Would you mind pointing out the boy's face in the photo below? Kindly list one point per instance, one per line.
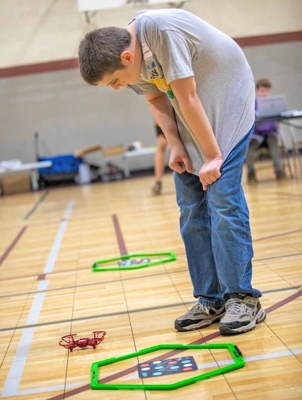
(263, 91)
(129, 75)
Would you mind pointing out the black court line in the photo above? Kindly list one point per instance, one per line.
(36, 205)
(277, 257)
(166, 355)
(65, 321)
(281, 234)
(128, 279)
(92, 284)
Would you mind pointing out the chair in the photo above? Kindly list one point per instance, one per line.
(263, 153)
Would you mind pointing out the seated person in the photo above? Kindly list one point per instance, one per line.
(265, 133)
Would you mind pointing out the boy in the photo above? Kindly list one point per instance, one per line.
(180, 62)
(265, 132)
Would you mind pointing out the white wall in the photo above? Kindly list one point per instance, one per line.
(44, 30)
(69, 114)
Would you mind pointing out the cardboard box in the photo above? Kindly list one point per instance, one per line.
(86, 150)
(17, 182)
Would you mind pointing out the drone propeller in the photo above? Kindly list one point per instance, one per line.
(68, 341)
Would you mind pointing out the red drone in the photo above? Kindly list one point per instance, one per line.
(69, 343)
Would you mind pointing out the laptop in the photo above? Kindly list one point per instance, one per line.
(271, 106)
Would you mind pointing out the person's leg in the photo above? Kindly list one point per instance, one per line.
(275, 152)
(253, 146)
(195, 230)
(232, 245)
(159, 163)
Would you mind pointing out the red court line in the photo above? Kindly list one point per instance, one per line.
(274, 38)
(207, 338)
(41, 277)
(119, 235)
(129, 370)
(12, 245)
(123, 249)
(37, 68)
(50, 66)
(283, 302)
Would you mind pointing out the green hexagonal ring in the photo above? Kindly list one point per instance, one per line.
(99, 265)
(233, 350)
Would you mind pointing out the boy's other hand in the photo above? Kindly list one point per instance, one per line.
(210, 171)
(179, 159)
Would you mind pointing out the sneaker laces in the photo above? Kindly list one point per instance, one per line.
(201, 308)
(234, 306)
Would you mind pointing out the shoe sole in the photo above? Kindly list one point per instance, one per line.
(260, 317)
(199, 325)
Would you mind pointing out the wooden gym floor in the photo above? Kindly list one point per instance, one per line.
(48, 243)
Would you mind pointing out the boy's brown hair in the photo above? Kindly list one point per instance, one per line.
(264, 83)
(99, 52)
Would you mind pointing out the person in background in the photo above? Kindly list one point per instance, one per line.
(265, 133)
(159, 161)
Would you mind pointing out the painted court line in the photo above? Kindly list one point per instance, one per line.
(12, 245)
(283, 302)
(119, 313)
(14, 376)
(255, 260)
(15, 373)
(281, 234)
(123, 250)
(47, 389)
(37, 304)
(35, 310)
(36, 205)
(68, 210)
(56, 246)
(60, 289)
(64, 321)
(119, 235)
(222, 363)
(205, 339)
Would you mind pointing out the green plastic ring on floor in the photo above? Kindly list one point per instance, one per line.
(99, 266)
(233, 350)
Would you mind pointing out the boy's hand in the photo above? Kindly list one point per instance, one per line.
(210, 171)
(179, 159)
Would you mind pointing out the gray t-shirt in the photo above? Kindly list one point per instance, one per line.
(178, 45)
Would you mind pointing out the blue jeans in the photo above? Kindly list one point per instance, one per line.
(215, 228)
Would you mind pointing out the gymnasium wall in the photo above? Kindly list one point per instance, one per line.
(35, 31)
(70, 114)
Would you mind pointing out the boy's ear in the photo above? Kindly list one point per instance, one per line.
(127, 58)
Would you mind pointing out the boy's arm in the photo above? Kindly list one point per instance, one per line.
(163, 114)
(192, 110)
(194, 114)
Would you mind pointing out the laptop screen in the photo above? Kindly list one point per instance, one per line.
(271, 106)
